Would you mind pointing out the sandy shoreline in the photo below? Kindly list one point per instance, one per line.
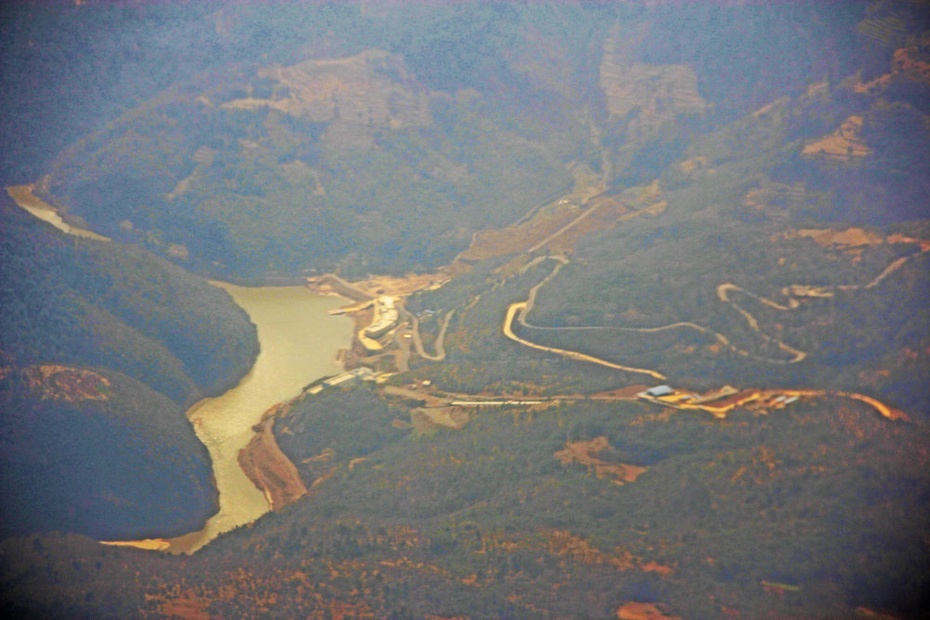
(268, 467)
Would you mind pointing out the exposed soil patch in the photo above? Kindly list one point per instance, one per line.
(566, 543)
(450, 417)
(643, 611)
(331, 284)
(655, 93)
(603, 212)
(690, 166)
(913, 61)
(907, 61)
(583, 452)
(268, 468)
(522, 236)
(68, 384)
(851, 240)
(353, 95)
(851, 237)
(401, 286)
(561, 542)
(187, 608)
(843, 144)
(629, 393)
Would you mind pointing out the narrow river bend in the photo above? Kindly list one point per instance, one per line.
(299, 342)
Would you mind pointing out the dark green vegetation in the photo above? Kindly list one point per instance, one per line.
(120, 468)
(92, 303)
(734, 195)
(778, 156)
(486, 522)
(864, 339)
(67, 67)
(351, 163)
(387, 148)
(98, 443)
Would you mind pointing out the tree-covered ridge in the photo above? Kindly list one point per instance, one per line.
(385, 148)
(757, 242)
(119, 462)
(749, 208)
(103, 346)
(750, 257)
(345, 163)
(88, 303)
(815, 511)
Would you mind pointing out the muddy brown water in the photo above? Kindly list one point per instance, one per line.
(299, 342)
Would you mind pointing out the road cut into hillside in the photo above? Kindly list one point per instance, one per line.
(795, 293)
(440, 354)
(518, 307)
(723, 294)
(517, 311)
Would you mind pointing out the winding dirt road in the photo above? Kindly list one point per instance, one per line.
(440, 339)
(518, 310)
(723, 294)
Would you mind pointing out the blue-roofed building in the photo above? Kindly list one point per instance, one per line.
(659, 390)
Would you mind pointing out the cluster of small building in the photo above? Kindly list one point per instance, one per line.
(386, 316)
(345, 379)
(719, 402)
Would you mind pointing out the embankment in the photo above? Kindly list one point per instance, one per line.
(267, 466)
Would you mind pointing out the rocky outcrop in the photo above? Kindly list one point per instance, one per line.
(842, 145)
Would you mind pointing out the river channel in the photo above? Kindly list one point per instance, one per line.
(24, 197)
(299, 341)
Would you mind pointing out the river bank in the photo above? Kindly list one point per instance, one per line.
(268, 467)
(299, 341)
(24, 196)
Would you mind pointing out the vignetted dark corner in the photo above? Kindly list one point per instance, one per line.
(388, 309)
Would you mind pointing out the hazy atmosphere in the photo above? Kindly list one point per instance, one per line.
(448, 310)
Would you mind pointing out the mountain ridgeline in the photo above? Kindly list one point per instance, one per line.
(389, 147)
(104, 346)
(722, 202)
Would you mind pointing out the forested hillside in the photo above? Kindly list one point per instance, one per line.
(813, 512)
(94, 303)
(658, 275)
(385, 148)
(103, 347)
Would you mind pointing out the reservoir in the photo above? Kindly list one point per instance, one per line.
(299, 341)
(24, 197)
